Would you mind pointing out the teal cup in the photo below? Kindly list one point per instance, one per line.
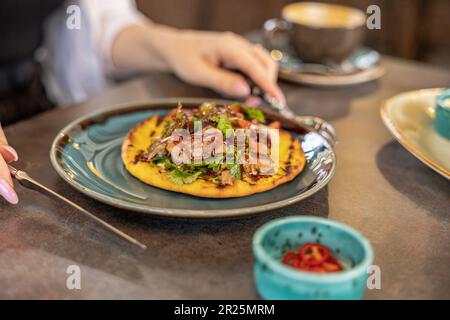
(275, 280)
(442, 114)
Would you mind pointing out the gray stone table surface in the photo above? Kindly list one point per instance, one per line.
(400, 205)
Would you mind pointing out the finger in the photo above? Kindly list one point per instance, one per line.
(2, 136)
(224, 81)
(259, 52)
(253, 101)
(245, 61)
(266, 81)
(267, 60)
(6, 184)
(271, 67)
(8, 152)
(278, 94)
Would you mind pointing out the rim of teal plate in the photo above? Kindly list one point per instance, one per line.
(167, 212)
(294, 274)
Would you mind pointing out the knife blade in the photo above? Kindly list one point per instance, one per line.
(25, 180)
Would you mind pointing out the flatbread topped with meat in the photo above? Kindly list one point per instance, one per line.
(163, 152)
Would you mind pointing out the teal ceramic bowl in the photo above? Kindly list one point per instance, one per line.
(442, 114)
(274, 280)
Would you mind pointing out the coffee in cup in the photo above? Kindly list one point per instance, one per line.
(318, 32)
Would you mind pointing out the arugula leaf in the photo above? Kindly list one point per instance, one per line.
(215, 166)
(254, 113)
(214, 118)
(167, 124)
(168, 165)
(235, 170)
(205, 163)
(180, 176)
(159, 160)
(223, 125)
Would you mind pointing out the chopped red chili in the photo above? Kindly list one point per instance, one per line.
(314, 254)
(291, 259)
(312, 257)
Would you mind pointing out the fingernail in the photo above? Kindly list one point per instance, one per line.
(12, 152)
(240, 89)
(279, 98)
(253, 101)
(8, 192)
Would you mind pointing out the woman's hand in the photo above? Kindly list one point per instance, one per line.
(197, 57)
(204, 59)
(7, 154)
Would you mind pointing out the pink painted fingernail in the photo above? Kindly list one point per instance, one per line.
(12, 152)
(8, 192)
(240, 89)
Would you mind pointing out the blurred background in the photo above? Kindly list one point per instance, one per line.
(411, 29)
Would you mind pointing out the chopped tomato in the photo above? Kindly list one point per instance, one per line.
(244, 123)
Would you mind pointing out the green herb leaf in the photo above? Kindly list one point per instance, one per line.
(223, 125)
(180, 176)
(216, 166)
(161, 160)
(254, 113)
(167, 124)
(235, 170)
(214, 118)
(168, 165)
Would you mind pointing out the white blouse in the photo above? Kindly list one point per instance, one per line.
(77, 62)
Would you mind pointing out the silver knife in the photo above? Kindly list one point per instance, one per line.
(25, 180)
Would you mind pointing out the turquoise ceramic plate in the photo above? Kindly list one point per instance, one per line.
(86, 154)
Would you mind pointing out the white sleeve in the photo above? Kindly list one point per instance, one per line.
(107, 18)
(78, 62)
